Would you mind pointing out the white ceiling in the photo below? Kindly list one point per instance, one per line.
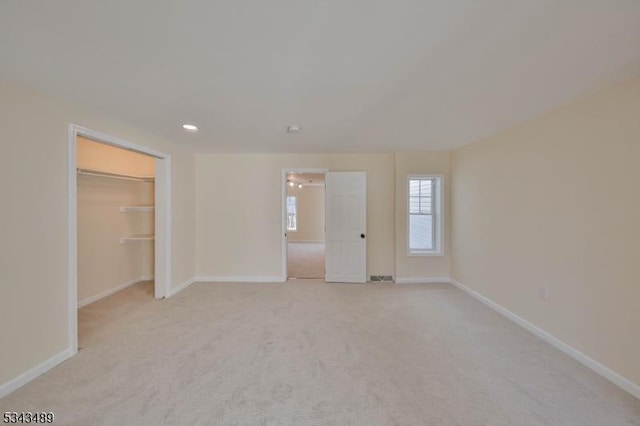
(356, 75)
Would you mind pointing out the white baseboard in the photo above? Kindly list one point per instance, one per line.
(113, 290)
(181, 287)
(305, 242)
(26, 377)
(238, 279)
(607, 373)
(423, 280)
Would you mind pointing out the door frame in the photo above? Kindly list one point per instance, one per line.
(283, 206)
(162, 267)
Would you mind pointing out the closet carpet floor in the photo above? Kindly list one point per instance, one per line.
(310, 353)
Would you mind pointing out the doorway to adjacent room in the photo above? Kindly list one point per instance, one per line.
(305, 197)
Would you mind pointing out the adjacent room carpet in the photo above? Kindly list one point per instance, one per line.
(310, 353)
(305, 260)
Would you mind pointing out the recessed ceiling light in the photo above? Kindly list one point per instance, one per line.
(190, 127)
(293, 129)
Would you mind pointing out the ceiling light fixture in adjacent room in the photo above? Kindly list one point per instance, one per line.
(190, 128)
(293, 129)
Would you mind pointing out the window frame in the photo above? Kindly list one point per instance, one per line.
(438, 221)
(295, 204)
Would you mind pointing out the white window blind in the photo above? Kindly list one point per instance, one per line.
(292, 219)
(422, 214)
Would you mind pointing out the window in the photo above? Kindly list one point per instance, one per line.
(424, 216)
(292, 219)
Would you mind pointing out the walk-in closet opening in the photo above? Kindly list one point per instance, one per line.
(116, 221)
(118, 231)
(305, 227)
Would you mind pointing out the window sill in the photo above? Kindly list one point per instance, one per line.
(431, 253)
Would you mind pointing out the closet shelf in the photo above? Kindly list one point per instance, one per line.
(99, 173)
(125, 209)
(134, 238)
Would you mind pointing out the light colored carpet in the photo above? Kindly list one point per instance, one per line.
(305, 260)
(308, 353)
(93, 318)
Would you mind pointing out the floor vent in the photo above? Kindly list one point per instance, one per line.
(381, 278)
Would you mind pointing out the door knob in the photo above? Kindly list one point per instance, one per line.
(361, 235)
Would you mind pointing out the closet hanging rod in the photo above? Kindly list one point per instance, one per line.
(97, 173)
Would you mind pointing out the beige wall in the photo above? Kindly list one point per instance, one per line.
(554, 203)
(105, 158)
(417, 163)
(33, 247)
(310, 213)
(104, 263)
(239, 210)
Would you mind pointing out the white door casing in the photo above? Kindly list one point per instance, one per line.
(346, 227)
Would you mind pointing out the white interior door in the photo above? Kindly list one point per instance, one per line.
(346, 227)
